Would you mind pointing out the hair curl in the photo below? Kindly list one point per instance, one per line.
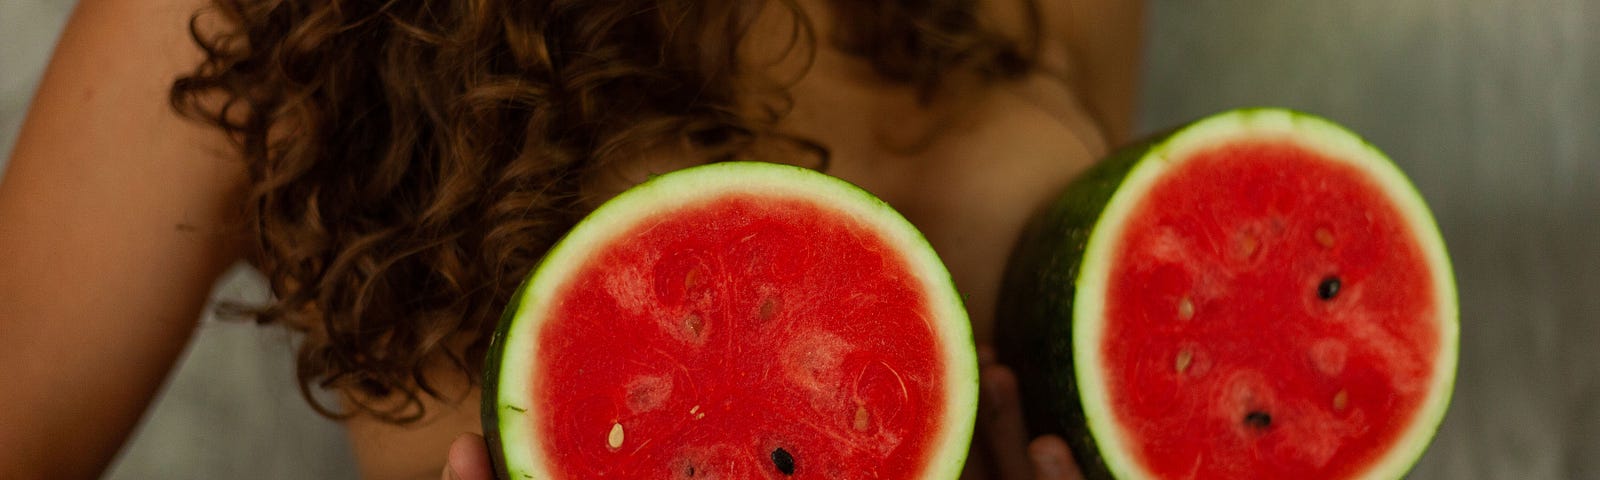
(410, 161)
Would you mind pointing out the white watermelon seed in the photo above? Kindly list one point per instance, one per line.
(1247, 246)
(1185, 308)
(1324, 238)
(693, 323)
(1341, 400)
(861, 418)
(615, 438)
(691, 279)
(1185, 357)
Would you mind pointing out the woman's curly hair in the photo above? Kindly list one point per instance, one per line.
(410, 161)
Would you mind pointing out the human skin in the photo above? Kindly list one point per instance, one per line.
(116, 218)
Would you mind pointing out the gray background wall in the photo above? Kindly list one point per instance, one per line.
(1492, 106)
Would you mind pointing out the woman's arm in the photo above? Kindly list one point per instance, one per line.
(115, 218)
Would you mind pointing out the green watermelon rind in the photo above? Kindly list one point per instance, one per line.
(507, 409)
(1062, 263)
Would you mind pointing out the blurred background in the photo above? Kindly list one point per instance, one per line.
(1491, 106)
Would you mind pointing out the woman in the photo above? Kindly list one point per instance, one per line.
(395, 167)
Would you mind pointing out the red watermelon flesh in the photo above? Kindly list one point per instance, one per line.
(768, 324)
(734, 321)
(1270, 316)
(1257, 294)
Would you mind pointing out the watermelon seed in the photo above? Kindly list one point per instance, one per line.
(1185, 308)
(1324, 238)
(1258, 420)
(691, 279)
(769, 307)
(782, 460)
(1185, 356)
(694, 324)
(1341, 400)
(1248, 245)
(693, 409)
(862, 418)
(615, 438)
(1329, 288)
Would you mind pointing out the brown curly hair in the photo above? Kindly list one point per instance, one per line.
(410, 161)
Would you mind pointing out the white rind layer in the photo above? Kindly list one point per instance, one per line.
(1317, 135)
(704, 183)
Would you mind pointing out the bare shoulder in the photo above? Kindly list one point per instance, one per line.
(115, 217)
(1103, 42)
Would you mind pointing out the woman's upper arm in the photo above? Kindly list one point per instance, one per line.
(1104, 38)
(116, 216)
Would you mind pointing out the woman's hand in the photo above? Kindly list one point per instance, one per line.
(1001, 449)
(468, 460)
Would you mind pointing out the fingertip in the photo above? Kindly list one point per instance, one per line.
(1052, 459)
(468, 458)
(467, 446)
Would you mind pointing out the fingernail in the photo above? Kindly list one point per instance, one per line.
(450, 471)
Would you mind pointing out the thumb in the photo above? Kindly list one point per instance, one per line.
(468, 459)
(1052, 459)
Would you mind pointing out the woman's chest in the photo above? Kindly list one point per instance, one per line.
(968, 172)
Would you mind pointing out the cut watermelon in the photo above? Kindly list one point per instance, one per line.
(735, 321)
(1259, 294)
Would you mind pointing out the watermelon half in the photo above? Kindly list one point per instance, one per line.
(735, 321)
(1259, 294)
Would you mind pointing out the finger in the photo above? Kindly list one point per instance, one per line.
(978, 462)
(985, 355)
(976, 467)
(1052, 459)
(468, 459)
(1006, 435)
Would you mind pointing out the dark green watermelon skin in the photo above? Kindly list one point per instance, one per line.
(1033, 327)
(490, 411)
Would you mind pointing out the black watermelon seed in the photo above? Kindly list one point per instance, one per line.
(1329, 288)
(782, 460)
(1258, 420)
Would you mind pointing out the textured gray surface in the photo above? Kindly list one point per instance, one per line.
(232, 409)
(1490, 105)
